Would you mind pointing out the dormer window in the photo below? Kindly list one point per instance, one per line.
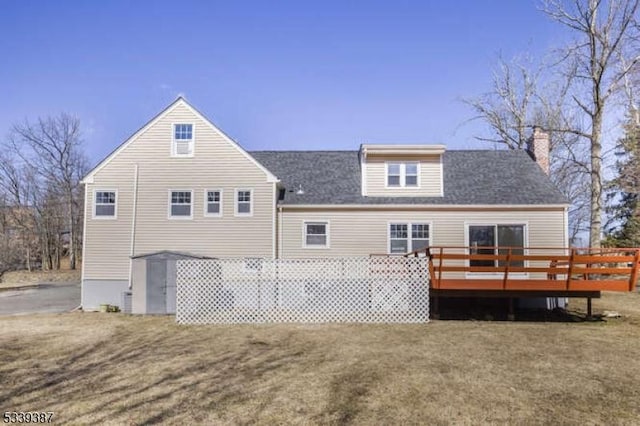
(182, 140)
(403, 175)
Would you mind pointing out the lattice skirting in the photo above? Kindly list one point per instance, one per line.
(229, 291)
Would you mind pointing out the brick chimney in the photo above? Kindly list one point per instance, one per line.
(538, 148)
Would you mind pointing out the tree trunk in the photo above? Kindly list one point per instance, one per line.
(596, 181)
(72, 234)
(28, 257)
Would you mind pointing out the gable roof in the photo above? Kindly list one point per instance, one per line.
(179, 101)
(471, 177)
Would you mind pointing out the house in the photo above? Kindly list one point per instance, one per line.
(180, 184)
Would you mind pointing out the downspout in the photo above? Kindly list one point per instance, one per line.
(84, 241)
(133, 224)
(280, 226)
(274, 243)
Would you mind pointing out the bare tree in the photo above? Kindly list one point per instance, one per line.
(518, 101)
(596, 64)
(17, 187)
(509, 106)
(51, 148)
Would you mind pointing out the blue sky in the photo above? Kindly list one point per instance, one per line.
(272, 75)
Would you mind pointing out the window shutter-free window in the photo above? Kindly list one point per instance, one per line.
(393, 174)
(419, 236)
(403, 175)
(214, 201)
(408, 237)
(411, 174)
(105, 203)
(316, 234)
(398, 238)
(181, 203)
(243, 202)
(183, 139)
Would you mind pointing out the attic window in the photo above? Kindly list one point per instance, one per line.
(403, 175)
(182, 140)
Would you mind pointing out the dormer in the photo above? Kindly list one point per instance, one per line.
(401, 170)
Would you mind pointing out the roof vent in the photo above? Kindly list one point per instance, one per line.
(300, 191)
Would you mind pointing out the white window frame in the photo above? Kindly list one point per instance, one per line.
(206, 202)
(95, 204)
(327, 225)
(525, 243)
(235, 202)
(192, 143)
(403, 175)
(169, 205)
(409, 238)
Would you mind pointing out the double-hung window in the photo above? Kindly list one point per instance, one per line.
(407, 237)
(180, 204)
(316, 234)
(483, 239)
(104, 204)
(403, 175)
(182, 140)
(244, 202)
(213, 202)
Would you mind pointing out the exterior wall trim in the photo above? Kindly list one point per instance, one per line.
(425, 207)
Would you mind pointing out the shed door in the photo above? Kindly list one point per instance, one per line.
(156, 286)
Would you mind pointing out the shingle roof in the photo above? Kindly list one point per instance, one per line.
(470, 177)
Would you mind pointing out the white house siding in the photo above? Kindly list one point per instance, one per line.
(430, 176)
(364, 231)
(216, 164)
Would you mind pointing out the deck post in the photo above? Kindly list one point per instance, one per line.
(588, 308)
(633, 279)
(570, 270)
(511, 316)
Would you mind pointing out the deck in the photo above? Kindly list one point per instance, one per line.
(517, 272)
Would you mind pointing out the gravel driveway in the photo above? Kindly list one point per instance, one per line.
(45, 298)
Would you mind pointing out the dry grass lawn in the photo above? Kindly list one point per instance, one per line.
(112, 368)
(21, 278)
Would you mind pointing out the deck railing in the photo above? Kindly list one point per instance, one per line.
(532, 268)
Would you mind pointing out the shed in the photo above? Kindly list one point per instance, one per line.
(154, 281)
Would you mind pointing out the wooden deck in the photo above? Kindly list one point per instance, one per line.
(534, 271)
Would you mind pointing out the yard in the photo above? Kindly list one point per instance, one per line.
(113, 368)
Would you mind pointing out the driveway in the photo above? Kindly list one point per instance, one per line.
(45, 298)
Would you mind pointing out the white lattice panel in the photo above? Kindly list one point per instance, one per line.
(371, 289)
